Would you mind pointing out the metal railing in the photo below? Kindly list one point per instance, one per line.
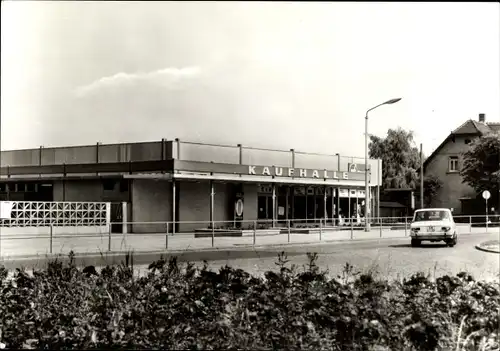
(199, 235)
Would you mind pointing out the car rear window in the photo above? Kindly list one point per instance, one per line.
(431, 216)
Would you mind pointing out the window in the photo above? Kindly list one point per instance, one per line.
(123, 185)
(108, 184)
(467, 141)
(421, 216)
(453, 164)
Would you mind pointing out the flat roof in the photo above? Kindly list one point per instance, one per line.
(160, 156)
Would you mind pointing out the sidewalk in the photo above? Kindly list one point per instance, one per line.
(181, 242)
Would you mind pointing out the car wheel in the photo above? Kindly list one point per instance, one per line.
(452, 242)
(415, 242)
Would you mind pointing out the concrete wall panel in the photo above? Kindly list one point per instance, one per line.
(194, 205)
(78, 191)
(151, 202)
(250, 203)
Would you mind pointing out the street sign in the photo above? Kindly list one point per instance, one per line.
(486, 196)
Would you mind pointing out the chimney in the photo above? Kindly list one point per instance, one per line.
(482, 118)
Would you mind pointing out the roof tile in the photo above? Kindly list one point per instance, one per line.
(469, 127)
(482, 127)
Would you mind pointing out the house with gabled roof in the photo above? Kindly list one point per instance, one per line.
(446, 161)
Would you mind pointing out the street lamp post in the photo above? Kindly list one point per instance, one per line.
(367, 188)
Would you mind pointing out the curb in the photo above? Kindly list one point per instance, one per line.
(481, 248)
(236, 247)
(338, 241)
(147, 257)
(193, 255)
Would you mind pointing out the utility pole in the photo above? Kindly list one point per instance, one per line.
(421, 177)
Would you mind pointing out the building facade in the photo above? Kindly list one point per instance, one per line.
(446, 161)
(191, 183)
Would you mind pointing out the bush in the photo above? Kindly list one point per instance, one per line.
(183, 307)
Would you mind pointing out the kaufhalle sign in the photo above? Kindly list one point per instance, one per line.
(354, 174)
(354, 171)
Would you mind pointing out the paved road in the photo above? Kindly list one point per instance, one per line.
(389, 257)
(22, 245)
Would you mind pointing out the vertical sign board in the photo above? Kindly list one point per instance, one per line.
(238, 206)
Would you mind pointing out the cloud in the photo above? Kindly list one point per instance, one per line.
(169, 76)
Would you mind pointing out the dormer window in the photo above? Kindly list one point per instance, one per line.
(453, 164)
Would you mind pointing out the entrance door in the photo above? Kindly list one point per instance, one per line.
(265, 207)
(282, 204)
(116, 217)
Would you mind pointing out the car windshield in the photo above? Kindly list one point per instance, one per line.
(431, 216)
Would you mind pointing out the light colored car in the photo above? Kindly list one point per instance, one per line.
(433, 224)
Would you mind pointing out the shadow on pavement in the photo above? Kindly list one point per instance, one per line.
(422, 246)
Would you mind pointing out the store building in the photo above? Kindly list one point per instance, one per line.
(192, 184)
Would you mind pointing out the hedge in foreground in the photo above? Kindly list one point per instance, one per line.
(185, 307)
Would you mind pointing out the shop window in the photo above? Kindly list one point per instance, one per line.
(282, 190)
(19, 187)
(299, 190)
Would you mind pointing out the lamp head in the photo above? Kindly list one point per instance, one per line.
(392, 101)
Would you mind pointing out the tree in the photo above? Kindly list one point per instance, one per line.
(400, 158)
(432, 184)
(401, 163)
(481, 165)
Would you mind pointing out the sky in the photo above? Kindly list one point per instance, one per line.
(274, 75)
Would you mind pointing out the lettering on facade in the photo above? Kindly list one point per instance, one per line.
(300, 172)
